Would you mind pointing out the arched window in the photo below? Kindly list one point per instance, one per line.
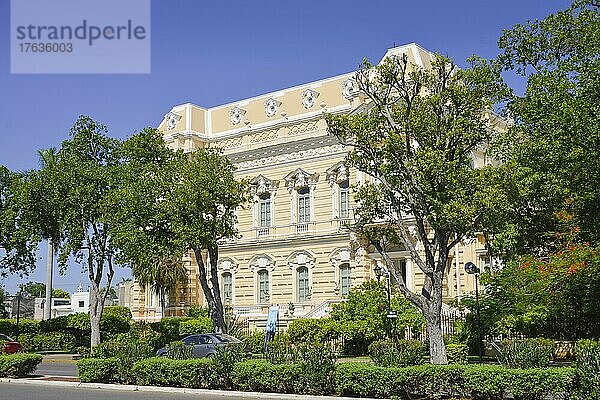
(344, 200)
(227, 287)
(303, 288)
(263, 286)
(344, 279)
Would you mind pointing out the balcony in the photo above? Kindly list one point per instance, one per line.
(302, 227)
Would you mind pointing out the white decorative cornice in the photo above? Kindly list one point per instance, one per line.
(339, 257)
(301, 258)
(260, 185)
(262, 261)
(337, 173)
(227, 264)
(349, 88)
(300, 179)
(172, 120)
(290, 157)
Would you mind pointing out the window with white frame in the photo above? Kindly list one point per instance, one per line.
(344, 191)
(303, 205)
(345, 279)
(263, 286)
(227, 287)
(303, 284)
(264, 210)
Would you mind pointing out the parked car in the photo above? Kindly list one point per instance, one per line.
(11, 346)
(205, 345)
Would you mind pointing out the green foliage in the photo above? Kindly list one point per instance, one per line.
(54, 341)
(400, 353)
(588, 368)
(18, 365)
(168, 328)
(100, 370)
(196, 326)
(196, 312)
(119, 311)
(114, 324)
(279, 350)
(362, 318)
(457, 353)
(178, 350)
(224, 361)
(127, 351)
(255, 342)
(194, 373)
(477, 382)
(526, 353)
(553, 143)
(26, 326)
(263, 376)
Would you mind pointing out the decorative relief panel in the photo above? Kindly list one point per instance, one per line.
(349, 88)
(309, 98)
(302, 128)
(337, 173)
(230, 143)
(172, 120)
(261, 184)
(236, 114)
(300, 179)
(271, 107)
(301, 259)
(291, 157)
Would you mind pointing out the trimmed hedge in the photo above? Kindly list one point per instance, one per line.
(262, 376)
(54, 341)
(196, 326)
(400, 353)
(26, 326)
(471, 381)
(193, 373)
(457, 353)
(18, 365)
(99, 370)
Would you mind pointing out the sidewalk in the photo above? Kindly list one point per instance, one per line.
(134, 388)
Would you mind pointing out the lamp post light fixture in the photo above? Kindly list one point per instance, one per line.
(472, 269)
(379, 272)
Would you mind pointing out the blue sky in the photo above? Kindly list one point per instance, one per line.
(211, 53)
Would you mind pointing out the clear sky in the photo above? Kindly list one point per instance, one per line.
(209, 53)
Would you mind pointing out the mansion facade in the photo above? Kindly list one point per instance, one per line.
(295, 250)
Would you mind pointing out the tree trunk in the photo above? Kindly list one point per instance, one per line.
(49, 268)
(96, 305)
(437, 349)
(214, 280)
(211, 301)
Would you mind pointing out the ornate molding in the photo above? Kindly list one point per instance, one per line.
(301, 258)
(300, 155)
(227, 264)
(261, 184)
(309, 98)
(350, 88)
(339, 257)
(337, 173)
(271, 107)
(262, 261)
(236, 114)
(172, 120)
(300, 179)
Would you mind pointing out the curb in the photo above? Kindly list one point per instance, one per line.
(216, 393)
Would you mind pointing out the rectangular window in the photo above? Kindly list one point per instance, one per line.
(303, 289)
(265, 211)
(81, 304)
(345, 280)
(344, 203)
(303, 206)
(263, 286)
(227, 287)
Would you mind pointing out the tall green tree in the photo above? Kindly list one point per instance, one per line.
(416, 137)
(176, 204)
(554, 143)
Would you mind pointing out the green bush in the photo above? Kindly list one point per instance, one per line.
(168, 328)
(99, 370)
(178, 350)
(196, 312)
(18, 365)
(588, 368)
(113, 324)
(26, 326)
(223, 362)
(7, 326)
(125, 349)
(26, 341)
(119, 311)
(263, 376)
(526, 353)
(255, 342)
(194, 373)
(457, 353)
(400, 353)
(84, 351)
(476, 382)
(280, 349)
(54, 341)
(196, 326)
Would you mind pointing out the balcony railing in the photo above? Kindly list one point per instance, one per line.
(302, 227)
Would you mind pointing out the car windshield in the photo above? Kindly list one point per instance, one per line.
(224, 338)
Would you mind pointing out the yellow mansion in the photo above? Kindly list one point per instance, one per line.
(295, 250)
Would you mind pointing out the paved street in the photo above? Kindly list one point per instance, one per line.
(17, 391)
(56, 368)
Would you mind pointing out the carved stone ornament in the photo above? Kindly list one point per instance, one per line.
(349, 88)
(172, 120)
(261, 184)
(271, 107)
(309, 98)
(300, 179)
(236, 114)
(337, 173)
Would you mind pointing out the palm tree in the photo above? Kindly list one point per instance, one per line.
(163, 275)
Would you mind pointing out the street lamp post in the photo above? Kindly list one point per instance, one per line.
(472, 269)
(379, 272)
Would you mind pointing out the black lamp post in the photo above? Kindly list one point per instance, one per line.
(472, 269)
(379, 272)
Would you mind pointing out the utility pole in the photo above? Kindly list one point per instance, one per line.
(49, 268)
